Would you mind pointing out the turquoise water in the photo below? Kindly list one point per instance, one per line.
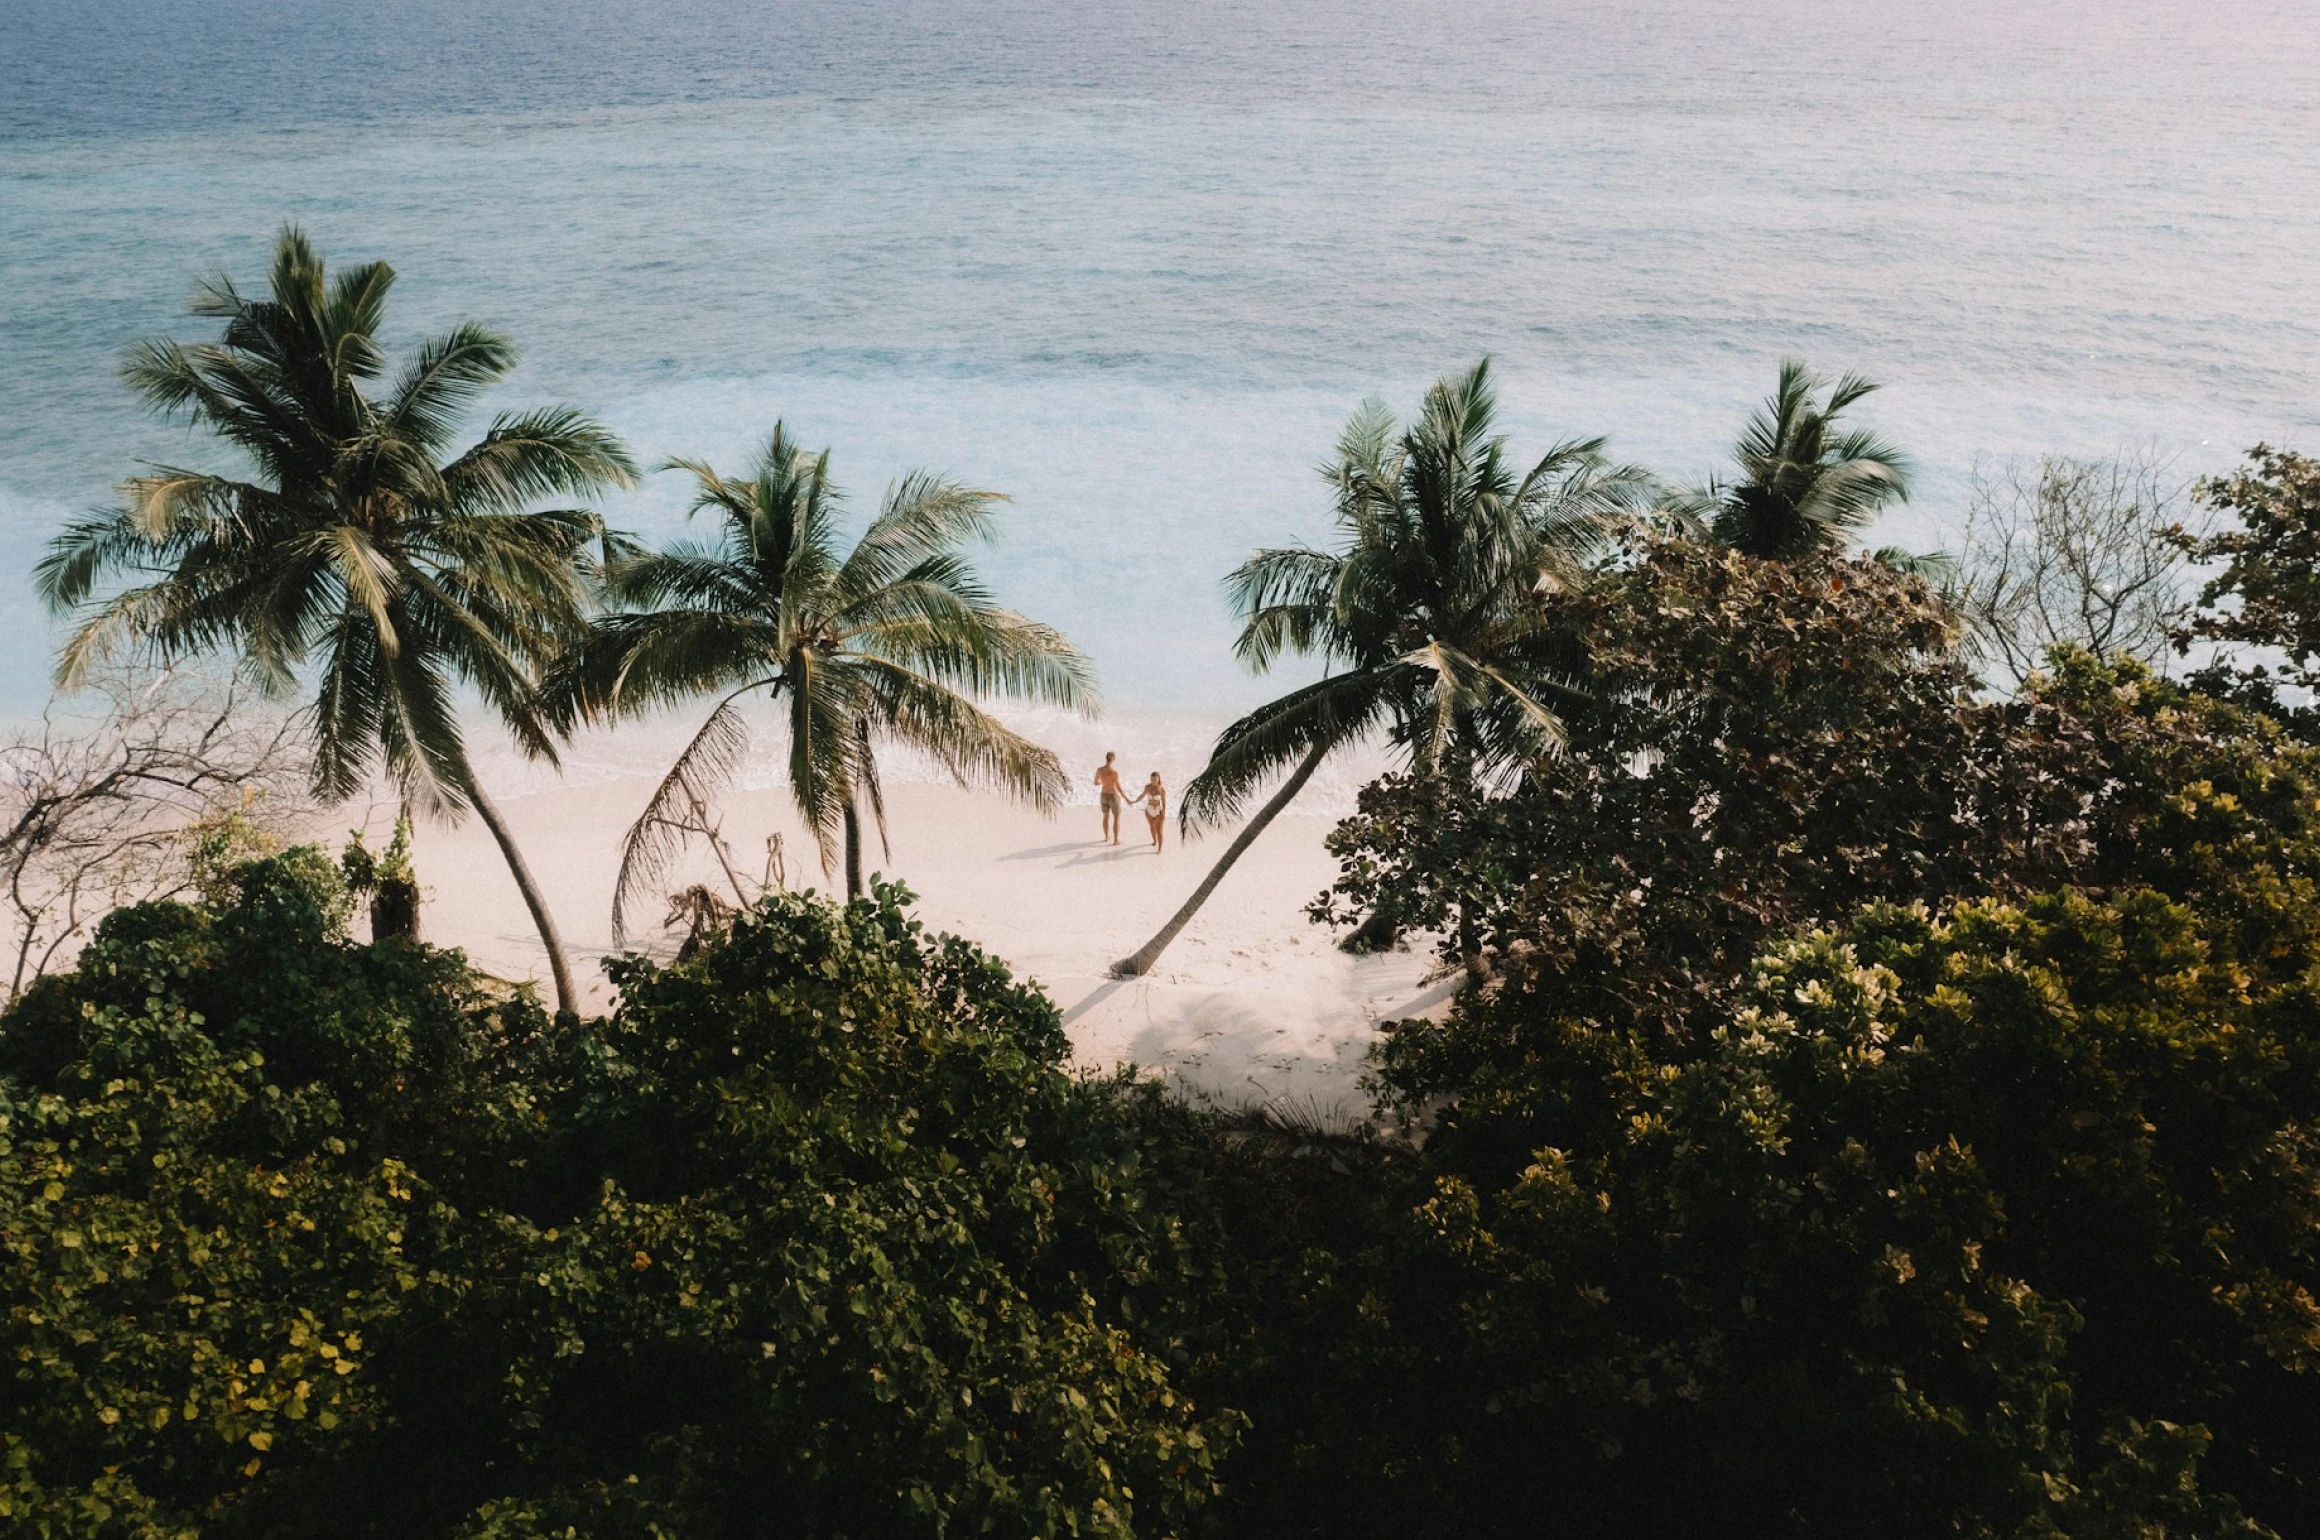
(1132, 263)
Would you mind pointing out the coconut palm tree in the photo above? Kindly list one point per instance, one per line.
(1426, 613)
(1805, 485)
(361, 555)
(884, 644)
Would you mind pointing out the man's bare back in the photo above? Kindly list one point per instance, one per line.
(1108, 798)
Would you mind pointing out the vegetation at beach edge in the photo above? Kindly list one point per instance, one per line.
(1884, 1090)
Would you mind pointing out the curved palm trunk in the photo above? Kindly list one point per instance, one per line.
(1139, 964)
(567, 998)
(853, 852)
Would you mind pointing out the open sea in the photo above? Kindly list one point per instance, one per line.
(1133, 262)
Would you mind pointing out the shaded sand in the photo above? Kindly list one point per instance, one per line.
(1252, 1004)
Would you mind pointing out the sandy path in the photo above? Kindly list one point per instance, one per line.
(1252, 1003)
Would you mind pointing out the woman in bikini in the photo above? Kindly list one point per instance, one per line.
(1154, 800)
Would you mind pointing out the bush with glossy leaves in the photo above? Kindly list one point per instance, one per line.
(815, 1236)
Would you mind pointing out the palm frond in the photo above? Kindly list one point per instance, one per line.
(106, 541)
(985, 652)
(690, 575)
(1938, 569)
(1526, 732)
(1451, 695)
(443, 381)
(922, 516)
(369, 578)
(554, 452)
(473, 645)
(630, 664)
(1288, 600)
(873, 789)
(678, 807)
(420, 742)
(826, 702)
(1269, 740)
(1364, 450)
(973, 747)
(357, 308)
(348, 710)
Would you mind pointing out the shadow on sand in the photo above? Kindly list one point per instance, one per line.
(1082, 853)
(1094, 998)
(1425, 1000)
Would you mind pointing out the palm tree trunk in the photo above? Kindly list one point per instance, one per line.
(567, 997)
(1136, 966)
(853, 852)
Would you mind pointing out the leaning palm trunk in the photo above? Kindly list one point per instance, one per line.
(567, 998)
(1140, 963)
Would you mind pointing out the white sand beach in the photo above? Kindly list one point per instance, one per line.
(1252, 1004)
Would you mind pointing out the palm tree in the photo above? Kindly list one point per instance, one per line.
(870, 648)
(1427, 613)
(1804, 485)
(362, 553)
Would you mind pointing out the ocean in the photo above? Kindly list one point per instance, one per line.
(1132, 263)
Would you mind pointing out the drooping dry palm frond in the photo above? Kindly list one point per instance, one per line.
(703, 913)
(678, 811)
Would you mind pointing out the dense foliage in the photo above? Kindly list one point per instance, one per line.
(1766, 746)
(1888, 1101)
(1756, 1203)
(1997, 1225)
(2263, 588)
(306, 1237)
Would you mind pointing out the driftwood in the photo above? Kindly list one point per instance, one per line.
(704, 914)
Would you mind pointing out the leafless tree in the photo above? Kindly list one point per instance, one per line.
(2072, 551)
(103, 802)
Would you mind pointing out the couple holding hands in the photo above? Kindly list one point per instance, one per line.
(1153, 799)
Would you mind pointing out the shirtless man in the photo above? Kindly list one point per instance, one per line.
(1109, 798)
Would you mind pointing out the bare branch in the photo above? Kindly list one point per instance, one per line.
(2072, 552)
(97, 801)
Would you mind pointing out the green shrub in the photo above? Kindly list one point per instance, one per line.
(212, 1139)
(1637, 1281)
(814, 1237)
(858, 1263)
(2004, 1224)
